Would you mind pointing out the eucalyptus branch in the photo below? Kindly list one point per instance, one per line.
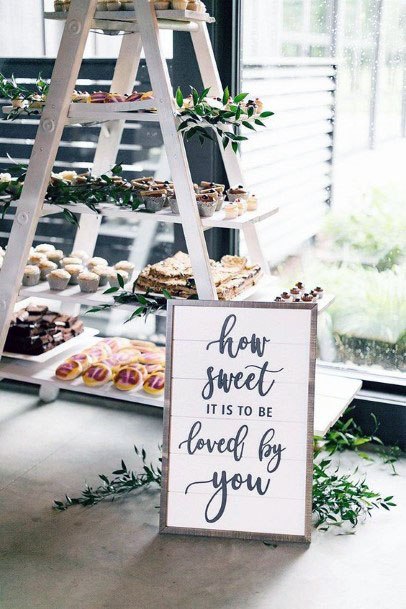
(122, 482)
(27, 98)
(200, 114)
(145, 303)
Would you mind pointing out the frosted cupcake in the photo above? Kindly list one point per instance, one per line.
(96, 261)
(70, 260)
(44, 248)
(58, 280)
(36, 258)
(126, 266)
(113, 278)
(74, 271)
(45, 267)
(103, 272)
(31, 275)
(242, 206)
(230, 210)
(88, 281)
(55, 256)
(252, 203)
(237, 192)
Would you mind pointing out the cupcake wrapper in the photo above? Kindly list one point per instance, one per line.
(31, 280)
(57, 284)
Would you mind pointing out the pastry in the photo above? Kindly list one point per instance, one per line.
(308, 297)
(88, 281)
(124, 265)
(286, 297)
(206, 204)
(319, 291)
(31, 275)
(152, 357)
(141, 368)
(70, 260)
(98, 351)
(55, 256)
(252, 203)
(84, 256)
(150, 368)
(113, 278)
(295, 291)
(44, 248)
(36, 258)
(242, 206)
(237, 192)
(96, 261)
(154, 200)
(97, 375)
(74, 271)
(69, 370)
(231, 211)
(85, 360)
(122, 358)
(81, 97)
(128, 378)
(103, 273)
(154, 384)
(45, 267)
(58, 279)
(300, 286)
(143, 345)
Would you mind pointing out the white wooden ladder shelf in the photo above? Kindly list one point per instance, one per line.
(141, 29)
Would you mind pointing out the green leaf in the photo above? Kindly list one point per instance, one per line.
(195, 96)
(179, 97)
(234, 146)
(266, 114)
(226, 96)
(111, 290)
(70, 217)
(204, 94)
(258, 122)
(238, 98)
(248, 125)
(120, 280)
(167, 294)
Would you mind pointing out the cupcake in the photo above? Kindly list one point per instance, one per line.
(58, 279)
(45, 267)
(231, 210)
(319, 291)
(179, 5)
(55, 256)
(74, 271)
(80, 254)
(96, 261)
(206, 205)
(113, 277)
(31, 275)
(192, 6)
(237, 192)
(103, 272)
(295, 292)
(252, 203)
(242, 206)
(88, 281)
(286, 297)
(44, 248)
(308, 297)
(124, 265)
(153, 199)
(70, 260)
(36, 258)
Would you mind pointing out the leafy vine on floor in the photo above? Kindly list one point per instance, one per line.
(338, 499)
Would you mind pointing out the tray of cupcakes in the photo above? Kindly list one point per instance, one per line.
(116, 363)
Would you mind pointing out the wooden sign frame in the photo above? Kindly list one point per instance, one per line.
(241, 534)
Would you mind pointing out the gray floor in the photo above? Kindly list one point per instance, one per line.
(111, 556)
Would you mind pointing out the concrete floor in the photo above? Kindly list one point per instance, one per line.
(111, 556)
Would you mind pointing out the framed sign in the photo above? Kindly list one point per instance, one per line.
(238, 432)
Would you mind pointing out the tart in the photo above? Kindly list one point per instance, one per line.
(69, 370)
(155, 383)
(128, 378)
(237, 192)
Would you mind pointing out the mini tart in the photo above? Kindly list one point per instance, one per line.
(44, 248)
(120, 359)
(152, 357)
(97, 375)
(237, 192)
(128, 378)
(300, 285)
(31, 275)
(74, 271)
(69, 370)
(295, 291)
(98, 352)
(45, 267)
(88, 282)
(307, 297)
(141, 368)
(58, 280)
(151, 368)
(116, 343)
(155, 383)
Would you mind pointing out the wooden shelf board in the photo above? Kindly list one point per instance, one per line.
(333, 394)
(218, 220)
(85, 114)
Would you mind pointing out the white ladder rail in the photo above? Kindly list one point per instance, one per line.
(211, 78)
(110, 136)
(43, 156)
(174, 146)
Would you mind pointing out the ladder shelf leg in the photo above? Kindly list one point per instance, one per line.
(43, 155)
(174, 145)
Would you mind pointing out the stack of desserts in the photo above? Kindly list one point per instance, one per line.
(45, 263)
(128, 364)
(231, 276)
(299, 293)
(35, 330)
(128, 5)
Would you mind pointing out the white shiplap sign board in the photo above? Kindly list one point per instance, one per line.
(238, 437)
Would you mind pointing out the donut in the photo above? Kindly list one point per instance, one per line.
(97, 375)
(128, 378)
(69, 370)
(84, 359)
(116, 343)
(154, 384)
(152, 357)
